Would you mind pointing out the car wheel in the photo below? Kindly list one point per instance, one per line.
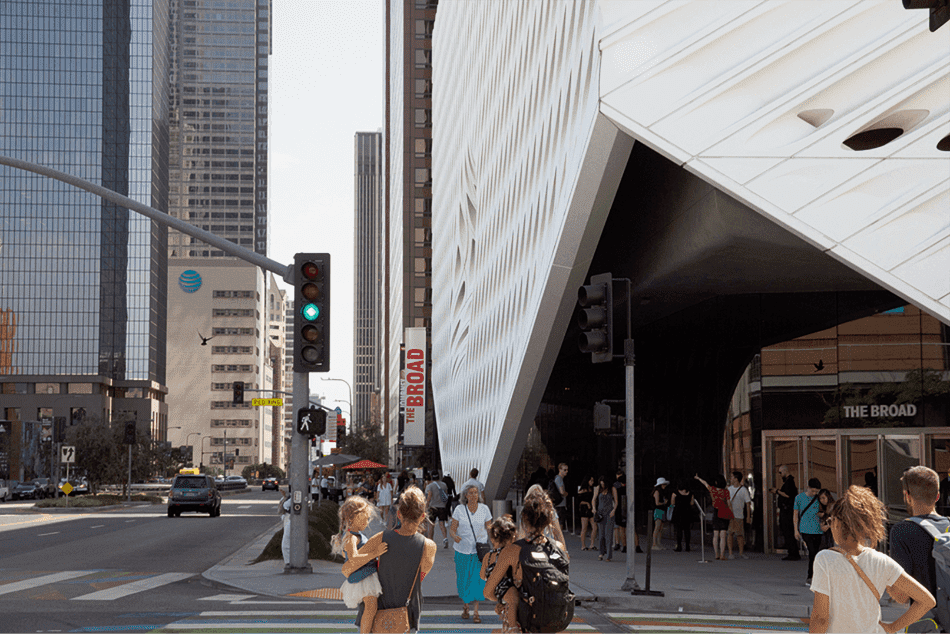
(171, 513)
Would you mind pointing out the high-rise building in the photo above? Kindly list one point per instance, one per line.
(407, 173)
(218, 125)
(219, 55)
(83, 281)
(368, 337)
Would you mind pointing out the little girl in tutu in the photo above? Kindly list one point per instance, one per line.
(362, 584)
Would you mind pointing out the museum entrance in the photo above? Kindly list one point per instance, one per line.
(875, 458)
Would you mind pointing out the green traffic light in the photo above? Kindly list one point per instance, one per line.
(310, 312)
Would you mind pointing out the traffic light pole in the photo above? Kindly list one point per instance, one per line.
(299, 486)
(298, 445)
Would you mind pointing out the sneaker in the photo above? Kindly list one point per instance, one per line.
(743, 556)
(731, 556)
(639, 550)
(808, 582)
(616, 546)
(445, 543)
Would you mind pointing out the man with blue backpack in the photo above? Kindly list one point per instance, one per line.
(921, 543)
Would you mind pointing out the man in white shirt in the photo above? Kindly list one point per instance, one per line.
(741, 503)
(473, 481)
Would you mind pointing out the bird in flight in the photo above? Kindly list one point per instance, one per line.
(205, 340)
(818, 366)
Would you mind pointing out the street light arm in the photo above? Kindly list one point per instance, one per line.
(285, 271)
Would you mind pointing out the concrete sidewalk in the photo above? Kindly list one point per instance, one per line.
(762, 585)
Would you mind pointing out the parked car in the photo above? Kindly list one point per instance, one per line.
(4, 491)
(194, 493)
(24, 491)
(80, 485)
(270, 483)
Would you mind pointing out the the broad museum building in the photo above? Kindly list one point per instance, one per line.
(767, 185)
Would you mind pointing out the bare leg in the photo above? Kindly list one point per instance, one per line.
(369, 613)
(510, 612)
(657, 533)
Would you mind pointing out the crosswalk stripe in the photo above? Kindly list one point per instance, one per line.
(43, 580)
(134, 587)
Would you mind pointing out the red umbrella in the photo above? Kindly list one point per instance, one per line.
(366, 464)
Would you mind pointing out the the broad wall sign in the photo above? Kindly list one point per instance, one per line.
(414, 387)
(879, 411)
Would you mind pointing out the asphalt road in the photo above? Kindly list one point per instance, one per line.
(99, 569)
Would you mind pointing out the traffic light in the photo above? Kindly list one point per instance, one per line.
(130, 433)
(312, 312)
(238, 396)
(596, 318)
(939, 11)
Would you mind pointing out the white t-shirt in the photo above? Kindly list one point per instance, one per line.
(479, 517)
(852, 607)
(385, 492)
(471, 482)
(738, 500)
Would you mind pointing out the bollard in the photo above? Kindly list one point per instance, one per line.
(649, 540)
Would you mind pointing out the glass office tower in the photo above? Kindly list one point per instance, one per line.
(83, 89)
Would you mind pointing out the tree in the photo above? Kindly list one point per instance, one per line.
(262, 470)
(102, 454)
(367, 442)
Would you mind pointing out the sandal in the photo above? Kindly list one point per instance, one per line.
(465, 612)
(477, 619)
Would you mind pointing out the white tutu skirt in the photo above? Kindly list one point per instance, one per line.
(354, 593)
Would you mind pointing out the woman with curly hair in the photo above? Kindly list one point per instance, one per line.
(501, 586)
(850, 578)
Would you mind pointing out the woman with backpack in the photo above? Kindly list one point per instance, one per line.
(539, 569)
(850, 578)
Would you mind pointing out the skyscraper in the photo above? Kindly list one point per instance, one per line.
(368, 337)
(83, 282)
(219, 53)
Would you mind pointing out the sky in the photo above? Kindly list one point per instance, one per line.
(325, 84)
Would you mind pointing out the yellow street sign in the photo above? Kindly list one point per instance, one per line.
(267, 402)
(67, 488)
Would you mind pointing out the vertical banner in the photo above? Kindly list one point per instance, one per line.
(414, 387)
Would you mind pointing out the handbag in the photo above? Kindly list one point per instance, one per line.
(396, 620)
(481, 548)
(598, 517)
(669, 513)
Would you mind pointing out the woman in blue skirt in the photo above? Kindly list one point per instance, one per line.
(469, 525)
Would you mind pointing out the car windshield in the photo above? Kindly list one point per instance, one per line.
(190, 483)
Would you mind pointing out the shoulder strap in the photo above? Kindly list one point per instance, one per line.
(860, 572)
(418, 570)
(928, 525)
(813, 500)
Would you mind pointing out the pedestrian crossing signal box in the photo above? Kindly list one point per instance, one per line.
(311, 421)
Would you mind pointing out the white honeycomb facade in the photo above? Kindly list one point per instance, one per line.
(756, 97)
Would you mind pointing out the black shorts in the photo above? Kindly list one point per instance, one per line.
(438, 514)
(720, 524)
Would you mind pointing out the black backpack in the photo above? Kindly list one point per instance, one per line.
(547, 603)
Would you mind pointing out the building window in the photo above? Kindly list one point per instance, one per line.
(423, 58)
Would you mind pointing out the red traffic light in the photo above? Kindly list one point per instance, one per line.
(310, 270)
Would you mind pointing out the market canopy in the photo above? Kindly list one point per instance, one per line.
(366, 464)
(333, 459)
